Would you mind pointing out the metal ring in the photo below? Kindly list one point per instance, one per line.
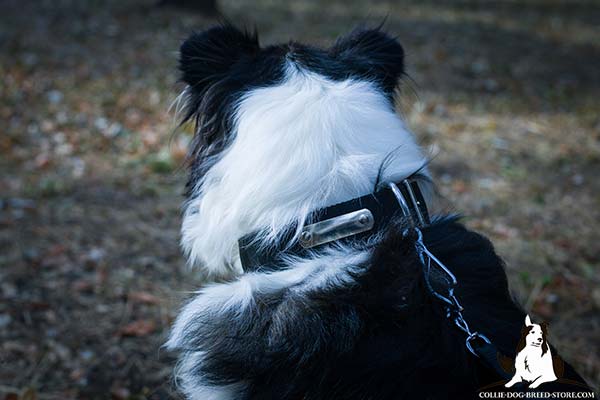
(401, 200)
(462, 324)
(414, 201)
(442, 266)
(473, 336)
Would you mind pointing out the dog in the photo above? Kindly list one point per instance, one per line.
(534, 357)
(295, 215)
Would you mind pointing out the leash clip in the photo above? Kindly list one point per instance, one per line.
(452, 306)
(473, 336)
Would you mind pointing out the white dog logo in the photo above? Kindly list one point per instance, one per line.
(534, 359)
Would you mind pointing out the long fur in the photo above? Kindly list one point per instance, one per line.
(284, 130)
(368, 329)
(311, 141)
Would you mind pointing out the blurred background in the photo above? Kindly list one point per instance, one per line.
(503, 94)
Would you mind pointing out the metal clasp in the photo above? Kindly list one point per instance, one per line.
(452, 306)
(473, 336)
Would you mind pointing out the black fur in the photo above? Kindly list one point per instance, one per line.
(371, 54)
(383, 337)
(222, 63)
(218, 65)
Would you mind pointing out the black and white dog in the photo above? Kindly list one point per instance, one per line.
(319, 290)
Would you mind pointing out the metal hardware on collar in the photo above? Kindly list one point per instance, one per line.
(336, 228)
(382, 204)
(415, 202)
(400, 198)
(416, 217)
(452, 307)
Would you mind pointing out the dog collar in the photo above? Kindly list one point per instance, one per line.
(351, 220)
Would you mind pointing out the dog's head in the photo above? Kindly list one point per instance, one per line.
(282, 130)
(534, 335)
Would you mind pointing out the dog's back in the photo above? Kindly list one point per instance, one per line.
(374, 333)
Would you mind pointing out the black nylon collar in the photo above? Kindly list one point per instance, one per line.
(383, 204)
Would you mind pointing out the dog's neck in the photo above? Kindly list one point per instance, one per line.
(359, 219)
(303, 145)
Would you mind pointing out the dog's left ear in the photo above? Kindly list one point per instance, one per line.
(207, 60)
(374, 54)
(208, 56)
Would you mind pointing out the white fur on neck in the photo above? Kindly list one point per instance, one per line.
(337, 267)
(306, 143)
(331, 268)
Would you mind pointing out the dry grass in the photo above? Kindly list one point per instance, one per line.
(505, 94)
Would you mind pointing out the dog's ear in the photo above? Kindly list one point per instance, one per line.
(373, 53)
(544, 326)
(208, 56)
(528, 321)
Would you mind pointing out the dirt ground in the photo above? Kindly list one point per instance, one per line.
(503, 94)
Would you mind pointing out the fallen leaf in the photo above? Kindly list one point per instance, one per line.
(143, 297)
(141, 327)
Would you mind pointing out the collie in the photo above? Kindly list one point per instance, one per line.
(306, 209)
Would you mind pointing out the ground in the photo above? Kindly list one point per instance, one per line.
(504, 95)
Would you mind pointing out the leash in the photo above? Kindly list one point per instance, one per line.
(477, 343)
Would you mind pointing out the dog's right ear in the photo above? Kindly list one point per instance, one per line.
(207, 57)
(375, 53)
(528, 321)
